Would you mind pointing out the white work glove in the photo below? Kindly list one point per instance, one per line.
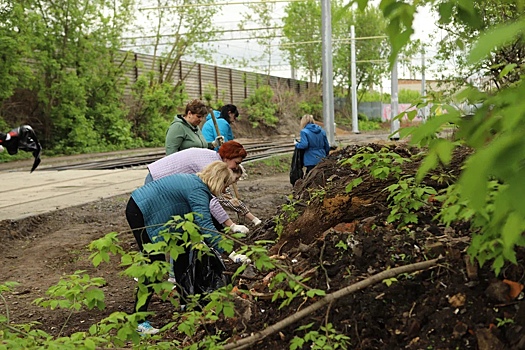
(239, 258)
(256, 221)
(244, 175)
(239, 228)
(1, 148)
(219, 140)
(295, 142)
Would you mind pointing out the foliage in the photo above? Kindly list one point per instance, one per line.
(14, 44)
(74, 291)
(495, 130)
(503, 66)
(406, 198)
(380, 164)
(371, 51)
(260, 107)
(326, 338)
(119, 329)
(262, 14)
(155, 108)
(404, 96)
(174, 30)
(288, 214)
(311, 103)
(302, 23)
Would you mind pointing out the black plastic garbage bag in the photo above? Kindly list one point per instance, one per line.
(200, 275)
(296, 170)
(25, 140)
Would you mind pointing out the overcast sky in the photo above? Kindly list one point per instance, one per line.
(423, 26)
(247, 49)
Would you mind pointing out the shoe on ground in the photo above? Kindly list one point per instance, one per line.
(145, 328)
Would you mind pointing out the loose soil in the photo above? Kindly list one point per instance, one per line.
(336, 239)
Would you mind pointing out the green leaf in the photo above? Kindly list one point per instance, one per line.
(512, 230)
(508, 68)
(498, 36)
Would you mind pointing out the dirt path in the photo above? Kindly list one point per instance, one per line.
(41, 249)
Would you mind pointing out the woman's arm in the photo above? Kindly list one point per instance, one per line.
(174, 138)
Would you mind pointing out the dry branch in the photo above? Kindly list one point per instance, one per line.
(243, 343)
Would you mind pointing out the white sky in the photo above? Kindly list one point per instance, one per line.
(229, 18)
(424, 27)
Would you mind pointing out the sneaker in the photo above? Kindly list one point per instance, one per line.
(145, 328)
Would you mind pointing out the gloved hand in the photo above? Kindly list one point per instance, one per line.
(244, 175)
(295, 142)
(256, 221)
(1, 148)
(239, 258)
(219, 140)
(239, 228)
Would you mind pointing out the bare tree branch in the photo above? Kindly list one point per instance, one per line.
(244, 343)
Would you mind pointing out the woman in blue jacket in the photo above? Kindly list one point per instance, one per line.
(313, 142)
(224, 118)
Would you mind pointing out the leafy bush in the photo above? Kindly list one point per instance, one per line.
(260, 107)
(155, 106)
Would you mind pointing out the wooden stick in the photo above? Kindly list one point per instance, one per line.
(329, 298)
(234, 186)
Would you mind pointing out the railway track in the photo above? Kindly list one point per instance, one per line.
(255, 150)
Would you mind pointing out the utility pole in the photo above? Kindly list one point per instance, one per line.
(423, 86)
(394, 124)
(355, 127)
(328, 72)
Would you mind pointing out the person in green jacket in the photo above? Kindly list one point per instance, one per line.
(184, 131)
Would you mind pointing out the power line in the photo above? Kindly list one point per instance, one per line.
(217, 31)
(335, 40)
(217, 4)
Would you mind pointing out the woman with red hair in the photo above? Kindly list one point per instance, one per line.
(193, 160)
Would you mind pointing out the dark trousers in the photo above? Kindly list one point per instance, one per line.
(136, 222)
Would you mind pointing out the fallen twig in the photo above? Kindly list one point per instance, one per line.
(246, 342)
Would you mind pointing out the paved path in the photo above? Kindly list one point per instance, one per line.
(25, 194)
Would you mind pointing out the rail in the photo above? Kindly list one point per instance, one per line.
(256, 151)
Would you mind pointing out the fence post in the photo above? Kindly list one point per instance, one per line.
(199, 72)
(231, 86)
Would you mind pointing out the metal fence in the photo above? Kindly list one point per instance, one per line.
(226, 84)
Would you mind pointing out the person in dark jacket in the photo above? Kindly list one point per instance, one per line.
(184, 131)
(313, 141)
(227, 116)
(151, 206)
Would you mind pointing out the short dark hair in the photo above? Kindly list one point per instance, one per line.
(196, 107)
(229, 108)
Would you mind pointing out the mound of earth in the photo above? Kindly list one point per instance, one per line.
(338, 239)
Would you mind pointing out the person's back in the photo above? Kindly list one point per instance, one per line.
(313, 141)
(188, 161)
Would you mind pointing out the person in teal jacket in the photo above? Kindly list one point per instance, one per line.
(184, 131)
(227, 116)
(151, 206)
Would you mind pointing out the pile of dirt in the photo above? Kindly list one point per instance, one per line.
(338, 239)
(332, 238)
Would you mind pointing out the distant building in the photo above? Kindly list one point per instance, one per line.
(415, 85)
